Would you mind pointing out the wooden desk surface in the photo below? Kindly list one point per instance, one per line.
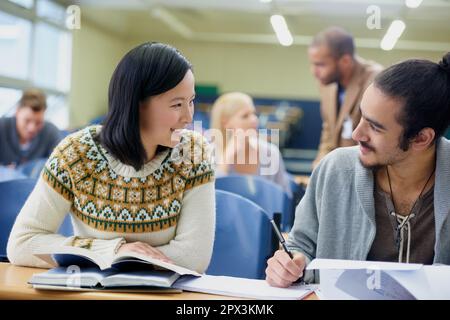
(13, 285)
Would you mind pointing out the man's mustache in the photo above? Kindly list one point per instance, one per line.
(365, 145)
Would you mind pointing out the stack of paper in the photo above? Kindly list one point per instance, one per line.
(369, 280)
(241, 287)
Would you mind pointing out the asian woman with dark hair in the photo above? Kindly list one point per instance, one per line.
(141, 182)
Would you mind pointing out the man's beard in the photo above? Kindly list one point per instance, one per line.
(392, 159)
(373, 167)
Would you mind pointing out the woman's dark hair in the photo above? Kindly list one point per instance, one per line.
(147, 70)
(423, 87)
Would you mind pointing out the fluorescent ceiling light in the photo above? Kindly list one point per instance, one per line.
(413, 3)
(281, 30)
(265, 1)
(392, 35)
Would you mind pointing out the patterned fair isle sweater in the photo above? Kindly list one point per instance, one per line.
(169, 203)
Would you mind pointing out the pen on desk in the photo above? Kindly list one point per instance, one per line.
(283, 244)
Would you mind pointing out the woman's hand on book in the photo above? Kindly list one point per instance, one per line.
(144, 249)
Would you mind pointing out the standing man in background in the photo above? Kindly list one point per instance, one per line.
(343, 78)
(27, 135)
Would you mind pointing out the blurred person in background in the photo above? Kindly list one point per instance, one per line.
(241, 149)
(342, 77)
(26, 135)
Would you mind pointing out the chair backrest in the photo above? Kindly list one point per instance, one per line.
(98, 120)
(13, 194)
(32, 169)
(267, 194)
(243, 238)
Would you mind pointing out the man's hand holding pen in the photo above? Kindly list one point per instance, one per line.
(282, 271)
(285, 267)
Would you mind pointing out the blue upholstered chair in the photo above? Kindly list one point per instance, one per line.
(243, 240)
(268, 195)
(13, 194)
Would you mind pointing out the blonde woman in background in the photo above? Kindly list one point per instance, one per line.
(239, 148)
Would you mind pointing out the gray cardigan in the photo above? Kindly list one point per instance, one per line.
(336, 217)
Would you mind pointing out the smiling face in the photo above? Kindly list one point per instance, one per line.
(162, 116)
(379, 133)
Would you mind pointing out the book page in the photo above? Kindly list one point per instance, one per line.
(94, 278)
(62, 254)
(61, 276)
(116, 290)
(133, 257)
(141, 278)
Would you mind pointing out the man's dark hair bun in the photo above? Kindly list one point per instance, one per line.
(445, 63)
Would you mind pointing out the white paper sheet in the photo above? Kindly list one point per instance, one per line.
(242, 287)
(347, 279)
(336, 264)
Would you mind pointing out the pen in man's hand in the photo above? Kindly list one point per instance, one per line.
(281, 238)
(283, 244)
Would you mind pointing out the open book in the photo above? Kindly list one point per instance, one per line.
(109, 279)
(69, 255)
(85, 268)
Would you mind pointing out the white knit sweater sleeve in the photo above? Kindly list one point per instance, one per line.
(36, 226)
(193, 243)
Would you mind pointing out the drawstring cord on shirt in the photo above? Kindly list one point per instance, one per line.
(404, 224)
(403, 221)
